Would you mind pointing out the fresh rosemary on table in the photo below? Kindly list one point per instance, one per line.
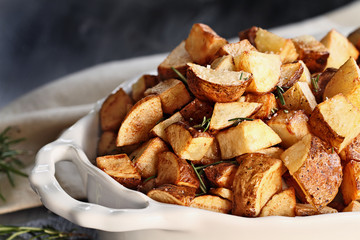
(9, 161)
(14, 232)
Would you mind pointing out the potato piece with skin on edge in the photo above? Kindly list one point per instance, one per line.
(172, 194)
(141, 118)
(257, 179)
(187, 142)
(235, 49)
(211, 203)
(120, 168)
(354, 206)
(107, 143)
(145, 158)
(247, 137)
(336, 121)
(306, 209)
(223, 112)
(223, 193)
(321, 79)
(196, 110)
(144, 82)
(215, 85)
(265, 69)
(114, 109)
(294, 72)
(351, 151)
(350, 187)
(222, 174)
(159, 129)
(354, 38)
(178, 59)
(273, 152)
(268, 101)
(211, 156)
(281, 204)
(203, 43)
(316, 168)
(224, 63)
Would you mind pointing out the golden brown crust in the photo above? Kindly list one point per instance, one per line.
(221, 175)
(169, 193)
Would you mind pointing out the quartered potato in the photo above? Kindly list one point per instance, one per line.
(263, 126)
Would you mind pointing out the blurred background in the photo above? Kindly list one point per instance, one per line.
(43, 40)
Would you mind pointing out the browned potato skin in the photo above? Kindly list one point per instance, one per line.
(350, 187)
(114, 109)
(351, 151)
(290, 73)
(307, 209)
(249, 34)
(281, 204)
(354, 206)
(248, 198)
(312, 52)
(221, 175)
(144, 82)
(323, 79)
(145, 187)
(223, 193)
(291, 182)
(196, 110)
(268, 101)
(173, 194)
(211, 203)
(215, 92)
(354, 38)
(234, 49)
(174, 170)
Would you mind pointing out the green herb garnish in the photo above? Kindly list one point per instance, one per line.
(202, 184)
(239, 120)
(204, 125)
(280, 92)
(149, 178)
(215, 163)
(315, 81)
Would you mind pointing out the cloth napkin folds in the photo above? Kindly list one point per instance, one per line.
(44, 113)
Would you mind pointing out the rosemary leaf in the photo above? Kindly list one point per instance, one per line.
(315, 81)
(202, 184)
(215, 163)
(149, 178)
(182, 78)
(280, 92)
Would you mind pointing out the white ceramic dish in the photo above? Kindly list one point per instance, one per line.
(120, 213)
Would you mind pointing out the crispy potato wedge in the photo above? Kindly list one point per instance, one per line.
(223, 112)
(178, 59)
(267, 42)
(120, 168)
(203, 43)
(340, 48)
(235, 49)
(351, 151)
(211, 156)
(107, 144)
(346, 81)
(196, 110)
(247, 137)
(217, 86)
(257, 179)
(173, 194)
(312, 52)
(223, 193)
(211, 203)
(292, 183)
(306, 209)
(175, 170)
(141, 118)
(144, 82)
(294, 72)
(114, 109)
(298, 97)
(291, 126)
(350, 187)
(268, 101)
(354, 38)
(224, 63)
(187, 142)
(265, 69)
(221, 175)
(281, 204)
(316, 168)
(159, 129)
(173, 94)
(145, 158)
(354, 206)
(322, 80)
(336, 121)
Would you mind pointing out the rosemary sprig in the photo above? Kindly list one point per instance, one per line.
(202, 184)
(183, 79)
(149, 178)
(9, 162)
(204, 125)
(280, 92)
(315, 81)
(12, 232)
(215, 163)
(239, 120)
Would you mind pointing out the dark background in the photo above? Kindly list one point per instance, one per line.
(41, 40)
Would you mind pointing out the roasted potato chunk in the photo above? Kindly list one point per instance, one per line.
(281, 204)
(120, 168)
(224, 112)
(217, 86)
(312, 52)
(221, 175)
(336, 121)
(145, 158)
(273, 152)
(187, 142)
(141, 118)
(249, 34)
(265, 69)
(173, 194)
(107, 144)
(247, 137)
(316, 168)
(223, 193)
(144, 82)
(321, 79)
(351, 151)
(235, 49)
(346, 81)
(173, 95)
(294, 72)
(350, 187)
(114, 109)
(309, 210)
(354, 38)
(211, 156)
(257, 179)
(211, 203)
(340, 48)
(224, 63)
(203, 43)
(354, 206)
(159, 129)
(268, 101)
(196, 110)
(291, 126)
(178, 59)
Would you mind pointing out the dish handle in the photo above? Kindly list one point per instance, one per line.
(153, 215)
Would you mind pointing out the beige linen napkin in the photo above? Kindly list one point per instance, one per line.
(43, 114)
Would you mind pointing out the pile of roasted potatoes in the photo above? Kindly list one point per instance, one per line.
(260, 127)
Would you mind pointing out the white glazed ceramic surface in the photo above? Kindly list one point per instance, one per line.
(120, 213)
